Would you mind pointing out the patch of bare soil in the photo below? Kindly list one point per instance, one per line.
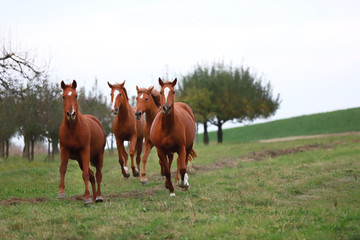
(15, 200)
(255, 156)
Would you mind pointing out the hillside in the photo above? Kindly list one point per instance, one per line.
(347, 120)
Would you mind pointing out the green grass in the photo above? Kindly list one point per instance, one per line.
(330, 122)
(310, 194)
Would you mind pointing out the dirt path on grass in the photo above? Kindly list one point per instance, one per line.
(307, 137)
(198, 168)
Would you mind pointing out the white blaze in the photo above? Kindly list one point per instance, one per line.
(116, 93)
(166, 92)
(70, 93)
(142, 95)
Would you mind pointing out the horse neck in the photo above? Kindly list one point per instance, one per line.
(123, 113)
(151, 113)
(169, 120)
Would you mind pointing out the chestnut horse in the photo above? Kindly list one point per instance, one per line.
(173, 130)
(148, 103)
(82, 138)
(126, 128)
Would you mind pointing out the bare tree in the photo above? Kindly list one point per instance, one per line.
(18, 70)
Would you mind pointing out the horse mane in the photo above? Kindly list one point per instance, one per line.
(125, 93)
(154, 94)
(117, 85)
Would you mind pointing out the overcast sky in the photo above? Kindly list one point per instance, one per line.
(308, 49)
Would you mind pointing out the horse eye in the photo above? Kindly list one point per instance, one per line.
(161, 93)
(146, 99)
(63, 97)
(76, 96)
(173, 92)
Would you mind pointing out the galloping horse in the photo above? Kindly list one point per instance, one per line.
(148, 102)
(173, 130)
(126, 128)
(82, 138)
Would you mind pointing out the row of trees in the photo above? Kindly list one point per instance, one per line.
(37, 115)
(31, 106)
(221, 93)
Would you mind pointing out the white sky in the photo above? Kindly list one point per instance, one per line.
(308, 49)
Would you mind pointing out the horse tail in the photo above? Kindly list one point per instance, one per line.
(192, 155)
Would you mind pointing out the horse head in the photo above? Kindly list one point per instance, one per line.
(143, 100)
(71, 105)
(167, 96)
(118, 96)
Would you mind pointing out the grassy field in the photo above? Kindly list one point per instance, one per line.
(323, 123)
(300, 189)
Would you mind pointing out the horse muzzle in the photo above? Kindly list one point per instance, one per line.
(138, 115)
(71, 116)
(166, 109)
(115, 111)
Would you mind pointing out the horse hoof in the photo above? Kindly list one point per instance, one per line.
(172, 195)
(88, 201)
(99, 199)
(144, 182)
(61, 195)
(186, 187)
(126, 175)
(136, 174)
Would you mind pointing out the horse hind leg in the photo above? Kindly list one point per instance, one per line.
(139, 146)
(135, 170)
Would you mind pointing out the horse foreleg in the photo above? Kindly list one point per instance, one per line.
(135, 171)
(181, 163)
(63, 166)
(85, 158)
(99, 176)
(165, 164)
(148, 146)
(122, 154)
(92, 181)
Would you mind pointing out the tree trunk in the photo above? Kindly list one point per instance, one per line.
(219, 132)
(206, 134)
(112, 143)
(32, 150)
(49, 152)
(55, 149)
(7, 148)
(2, 149)
(26, 149)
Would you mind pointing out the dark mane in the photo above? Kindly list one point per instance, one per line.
(118, 85)
(156, 96)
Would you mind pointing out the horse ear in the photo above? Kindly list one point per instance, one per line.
(122, 85)
(110, 85)
(161, 82)
(63, 86)
(137, 88)
(150, 89)
(74, 84)
(174, 82)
